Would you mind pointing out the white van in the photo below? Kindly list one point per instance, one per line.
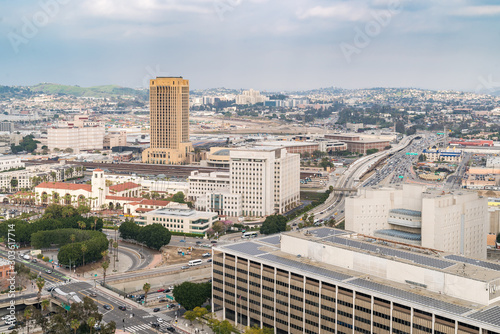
(195, 262)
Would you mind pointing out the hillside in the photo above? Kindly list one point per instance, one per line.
(97, 91)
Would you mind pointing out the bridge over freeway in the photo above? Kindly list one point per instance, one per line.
(340, 189)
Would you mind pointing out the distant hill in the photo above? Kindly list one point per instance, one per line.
(97, 91)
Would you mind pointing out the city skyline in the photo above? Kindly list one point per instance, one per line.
(270, 46)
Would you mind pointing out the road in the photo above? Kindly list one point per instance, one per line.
(351, 179)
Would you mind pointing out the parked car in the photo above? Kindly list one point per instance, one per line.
(160, 290)
(156, 309)
(214, 241)
(207, 255)
(34, 261)
(209, 260)
(185, 267)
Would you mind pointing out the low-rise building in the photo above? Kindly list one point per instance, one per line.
(449, 155)
(10, 162)
(180, 218)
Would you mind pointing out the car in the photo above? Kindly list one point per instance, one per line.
(11, 327)
(185, 267)
(207, 255)
(156, 309)
(92, 294)
(182, 240)
(123, 308)
(214, 241)
(26, 257)
(48, 271)
(34, 261)
(159, 320)
(97, 327)
(171, 329)
(160, 290)
(209, 260)
(172, 305)
(106, 307)
(155, 325)
(49, 289)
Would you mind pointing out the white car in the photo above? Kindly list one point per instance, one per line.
(159, 320)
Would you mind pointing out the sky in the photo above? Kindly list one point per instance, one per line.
(268, 45)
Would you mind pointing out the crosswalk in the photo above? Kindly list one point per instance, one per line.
(138, 328)
(61, 283)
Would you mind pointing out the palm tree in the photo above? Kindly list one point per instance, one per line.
(146, 288)
(40, 283)
(28, 312)
(45, 304)
(75, 324)
(115, 246)
(91, 323)
(105, 266)
(84, 250)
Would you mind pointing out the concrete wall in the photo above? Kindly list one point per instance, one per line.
(173, 278)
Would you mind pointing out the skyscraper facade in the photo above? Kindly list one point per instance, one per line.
(169, 121)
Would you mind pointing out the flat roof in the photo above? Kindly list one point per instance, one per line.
(267, 250)
(181, 213)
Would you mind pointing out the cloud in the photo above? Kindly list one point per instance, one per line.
(477, 11)
(351, 12)
(142, 11)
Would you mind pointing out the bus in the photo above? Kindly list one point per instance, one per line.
(195, 262)
(248, 235)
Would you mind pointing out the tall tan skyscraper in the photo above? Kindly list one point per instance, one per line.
(169, 121)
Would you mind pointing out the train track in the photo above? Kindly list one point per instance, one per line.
(140, 168)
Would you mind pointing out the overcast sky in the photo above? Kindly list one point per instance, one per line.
(262, 44)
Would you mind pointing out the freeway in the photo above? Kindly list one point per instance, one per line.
(350, 178)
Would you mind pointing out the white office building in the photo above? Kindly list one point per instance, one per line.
(455, 222)
(78, 139)
(261, 181)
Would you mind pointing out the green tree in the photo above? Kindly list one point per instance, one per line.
(84, 249)
(400, 127)
(190, 295)
(273, 224)
(220, 327)
(14, 183)
(200, 313)
(256, 330)
(178, 197)
(190, 315)
(154, 236)
(129, 230)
